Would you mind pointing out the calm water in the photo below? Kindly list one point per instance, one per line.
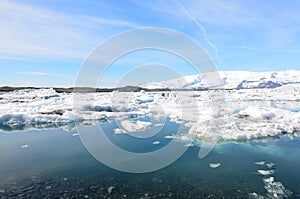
(55, 164)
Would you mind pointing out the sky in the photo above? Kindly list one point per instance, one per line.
(45, 43)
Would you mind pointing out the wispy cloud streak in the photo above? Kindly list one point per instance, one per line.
(206, 38)
(34, 73)
(36, 32)
(262, 49)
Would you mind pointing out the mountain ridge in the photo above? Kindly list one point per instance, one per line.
(230, 80)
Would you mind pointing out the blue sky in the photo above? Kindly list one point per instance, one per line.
(43, 43)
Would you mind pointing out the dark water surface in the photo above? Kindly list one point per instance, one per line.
(55, 164)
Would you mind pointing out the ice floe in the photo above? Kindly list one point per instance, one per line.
(261, 163)
(189, 145)
(156, 142)
(214, 165)
(239, 115)
(110, 189)
(265, 172)
(274, 189)
(25, 146)
(135, 126)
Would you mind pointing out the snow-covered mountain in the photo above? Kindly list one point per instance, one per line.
(230, 80)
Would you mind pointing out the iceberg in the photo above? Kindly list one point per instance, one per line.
(265, 172)
(208, 115)
(274, 189)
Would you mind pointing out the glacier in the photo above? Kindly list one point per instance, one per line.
(231, 80)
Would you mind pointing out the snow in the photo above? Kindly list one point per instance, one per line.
(222, 115)
(231, 79)
(258, 113)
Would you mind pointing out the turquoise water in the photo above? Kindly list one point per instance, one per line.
(55, 164)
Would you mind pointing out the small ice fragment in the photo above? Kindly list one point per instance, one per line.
(214, 165)
(25, 146)
(110, 189)
(75, 134)
(269, 180)
(270, 166)
(185, 138)
(255, 196)
(265, 172)
(119, 131)
(189, 145)
(156, 142)
(261, 163)
(169, 136)
(276, 189)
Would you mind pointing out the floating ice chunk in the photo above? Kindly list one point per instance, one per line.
(98, 108)
(276, 189)
(156, 142)
(261, 163)
(145, 98)
(48, 187)
(270, 166)
(72, 116)
(214, 165)
(25, 146)
(260, 113)
(135, 126)
(24, 118)
(29, 109)
(119, 131)
(235, 127)
(185, 138)
(269, 180)
(75, 134)
(255, 196)
(110, 189)
(265, 172)
(189, 145)
(170, 136)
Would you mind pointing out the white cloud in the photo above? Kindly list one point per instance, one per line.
(34, 73)
(262, 49)
(217, 12)
(246, 25)
(28, 31)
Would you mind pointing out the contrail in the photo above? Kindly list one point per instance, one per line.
(186, 12)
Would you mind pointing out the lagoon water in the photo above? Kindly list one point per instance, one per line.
(55, 164)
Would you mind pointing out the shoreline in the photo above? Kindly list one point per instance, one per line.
(120, 89)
